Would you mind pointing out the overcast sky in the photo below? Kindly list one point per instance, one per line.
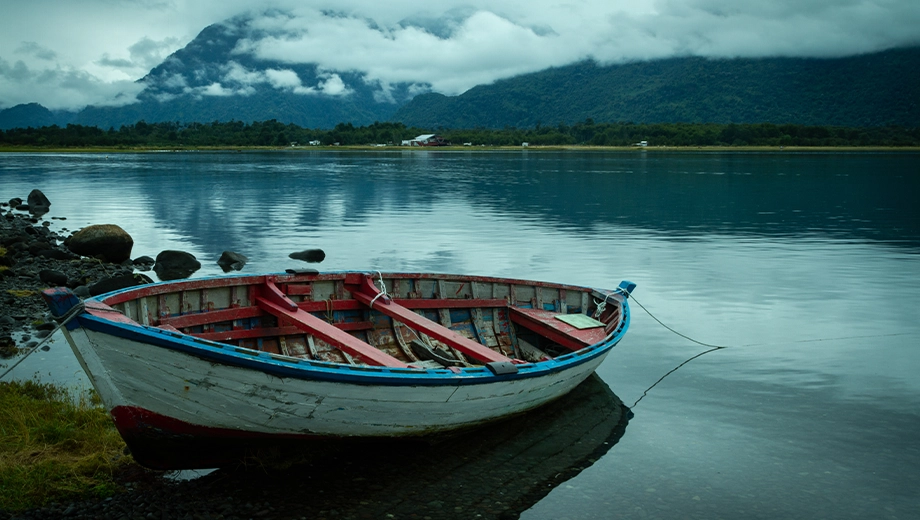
(66, 54)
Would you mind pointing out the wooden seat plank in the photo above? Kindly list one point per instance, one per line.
(366, 293)
(273, 301)
(545, 324)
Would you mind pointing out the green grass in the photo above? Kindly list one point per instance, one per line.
(54, 447)
(21, 293)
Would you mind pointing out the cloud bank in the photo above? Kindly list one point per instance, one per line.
(66, 56)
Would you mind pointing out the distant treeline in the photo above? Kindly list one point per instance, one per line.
(273, 133)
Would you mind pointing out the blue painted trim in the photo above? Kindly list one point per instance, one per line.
(333, 372)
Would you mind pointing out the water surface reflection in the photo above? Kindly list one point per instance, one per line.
(493, 472)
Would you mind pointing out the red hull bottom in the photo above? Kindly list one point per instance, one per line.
(160, 442)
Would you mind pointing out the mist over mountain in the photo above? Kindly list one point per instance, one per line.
(245, 69)
(211, 80)
(869, 90)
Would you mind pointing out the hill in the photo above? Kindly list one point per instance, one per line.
(859, 91)
(32, 115)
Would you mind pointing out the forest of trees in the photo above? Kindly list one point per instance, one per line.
(274, 134)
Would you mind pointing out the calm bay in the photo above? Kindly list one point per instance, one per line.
(806, 266)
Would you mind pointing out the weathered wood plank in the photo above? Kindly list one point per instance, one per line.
(545, 324)
(202, 318)
(276, 303)
(366, 293)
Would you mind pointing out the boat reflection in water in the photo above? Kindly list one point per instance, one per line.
(496, 471)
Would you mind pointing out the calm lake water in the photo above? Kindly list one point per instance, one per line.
(805, 265)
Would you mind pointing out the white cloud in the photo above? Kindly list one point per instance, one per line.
(285, 79)
(67, 54)
(61, 88)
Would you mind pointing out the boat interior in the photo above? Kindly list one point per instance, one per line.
(394, 320)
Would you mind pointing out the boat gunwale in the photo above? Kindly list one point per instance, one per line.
(155, 289)
(308, 369)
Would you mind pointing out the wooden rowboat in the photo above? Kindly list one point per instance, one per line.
(230, 362)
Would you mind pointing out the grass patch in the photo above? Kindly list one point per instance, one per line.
(54, 447)
(21, 293)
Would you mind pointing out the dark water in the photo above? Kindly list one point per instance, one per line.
(807, 266)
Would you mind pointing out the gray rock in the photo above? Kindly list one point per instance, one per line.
(38, 203)
(15, 201)
(57, 254)
(37, 247)
(309, 255)
(115, 283)
(174, 265)
(82, 291)
(106, 241)
(230, 261)
(52, 278)
(143, 263)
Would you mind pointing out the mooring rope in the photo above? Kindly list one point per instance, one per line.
(62, 321)
(712, 348)
(383, 290)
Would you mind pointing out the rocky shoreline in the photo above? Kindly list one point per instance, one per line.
(33, 258)
(90, 261)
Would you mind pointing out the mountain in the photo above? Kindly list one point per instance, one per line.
(32, 115)
(868, 90)
(210, 79)
(207, 81)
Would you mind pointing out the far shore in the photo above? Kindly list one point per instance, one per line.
(480, 148)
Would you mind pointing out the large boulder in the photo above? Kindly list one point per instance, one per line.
(38, 203)
(107, 242)
(174, 265)
(230, 261)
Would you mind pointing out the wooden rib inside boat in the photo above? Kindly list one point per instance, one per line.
(392, 320)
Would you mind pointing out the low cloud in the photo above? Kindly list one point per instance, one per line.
(143, 55)
(34, 49)
(469, 46)
(61, 88)
(237, 80)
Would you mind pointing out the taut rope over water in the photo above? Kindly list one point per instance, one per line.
(711, 349)
(62, 321)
